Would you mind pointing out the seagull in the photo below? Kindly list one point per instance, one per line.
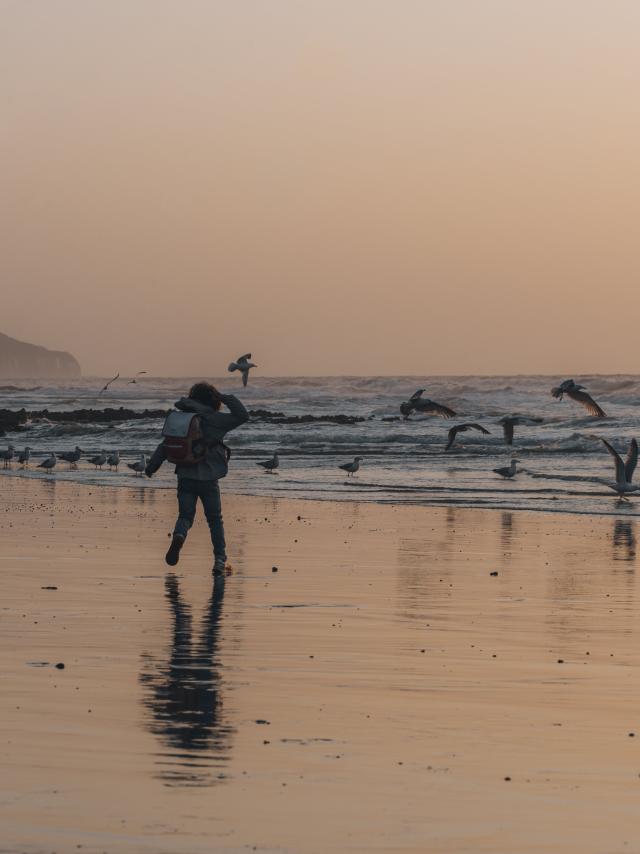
(242, 364)
(105, 387)
(49, 463)
(508, 471)
(461, 428)
(352, 468)
(135, 379)
(511, 421)
(113, 460)
(23, 457)
(422, 404)
(72, 457)
(7, 456)
(270, 465)
(140, 466)
(624, 470)
(576, 392)
(99, 460)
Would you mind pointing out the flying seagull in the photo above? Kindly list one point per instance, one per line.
(352, 468)
(49, 463)
(105, 387)
(72, 457)
(7, 456)
(508, 471)
(511, 421)
(461, 428)
(135, 379)
(576, 392)
(23, 457)
(418, 403)
(624, 470)
(139, 466)
(242, 364)
(270, 465)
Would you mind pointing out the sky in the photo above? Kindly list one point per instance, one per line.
(336, 186)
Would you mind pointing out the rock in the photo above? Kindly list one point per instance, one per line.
(493, 573)
(274, 569)
(60, 665)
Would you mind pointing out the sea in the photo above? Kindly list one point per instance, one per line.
(563, 465)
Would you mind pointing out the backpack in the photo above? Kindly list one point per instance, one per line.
(184, 442)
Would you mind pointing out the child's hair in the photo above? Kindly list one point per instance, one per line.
(207, 394)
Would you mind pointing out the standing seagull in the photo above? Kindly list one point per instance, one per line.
(352, 468)
(624, 471)
(105, 387)
(140, 466)
(418, 403)
(99, 460)
(461, 428)
(23, 458)
(49, 463)
(7, 456)
(113, 460)
(242, 364)
(511, 421)
(72, 457)
(576, 392)
(508, 471)
(135, 379)
(270, 465)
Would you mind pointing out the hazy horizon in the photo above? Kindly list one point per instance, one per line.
(362, 188)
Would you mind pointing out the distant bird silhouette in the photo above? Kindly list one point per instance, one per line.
(135, 379)
(72, 457)
(105, 387)
(113, 460)
(7, 456)
(99, 460)
(244, 365)
(418, 403)
(461, 428)
(270, 465)
(576, 392)
(139, 466)
(352, 468)
(511, 421)
(24, 456)
(624, 471)
(508, 471)
(49, 463)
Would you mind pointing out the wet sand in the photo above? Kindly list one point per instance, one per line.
(382, 691)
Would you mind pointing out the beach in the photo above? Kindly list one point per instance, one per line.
(369, 678)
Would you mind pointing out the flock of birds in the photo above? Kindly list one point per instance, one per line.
(624, 470)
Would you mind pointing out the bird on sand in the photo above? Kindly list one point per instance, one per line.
(244, 365)
(99, 460)
(113, 460)
(270, 465)
(461, 428)
(105, 387)
(139, 466)
(72, 457)
(23, 457)
(7, 456)
(624, 470)
(135, 379)
(508, 471)
(576, 392)
(418, 403)
(511, 421)
(49, 463)
(352, 468)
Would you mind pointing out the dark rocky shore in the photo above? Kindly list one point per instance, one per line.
(19, 420)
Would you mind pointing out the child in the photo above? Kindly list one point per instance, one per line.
(200, 480)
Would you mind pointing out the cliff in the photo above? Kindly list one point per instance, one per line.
(19, 360)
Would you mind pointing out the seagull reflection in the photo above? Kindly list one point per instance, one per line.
(624, 540)
(183, 695)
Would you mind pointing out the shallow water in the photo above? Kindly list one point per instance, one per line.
(562, 459)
